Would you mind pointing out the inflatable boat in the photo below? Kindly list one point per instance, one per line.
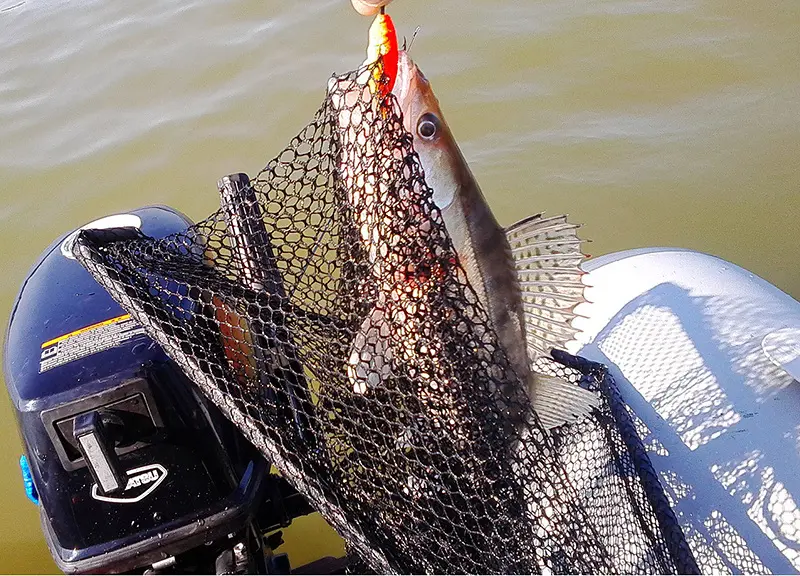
(707, 357)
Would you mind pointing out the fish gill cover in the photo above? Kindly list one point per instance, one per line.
(336, 252)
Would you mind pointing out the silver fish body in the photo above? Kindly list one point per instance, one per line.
(526, 277)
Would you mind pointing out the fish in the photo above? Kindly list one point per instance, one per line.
(401, 268)
(527, 276)
(358, 106)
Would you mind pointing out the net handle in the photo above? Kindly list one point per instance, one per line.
(255, 258)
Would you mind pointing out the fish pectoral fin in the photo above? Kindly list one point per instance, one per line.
(558, 402)
(369, 362)
(547, 256)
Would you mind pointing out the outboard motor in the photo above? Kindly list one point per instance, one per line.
(133, 469)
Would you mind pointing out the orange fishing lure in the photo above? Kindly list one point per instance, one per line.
(383, 46)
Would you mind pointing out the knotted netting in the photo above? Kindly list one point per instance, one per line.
(324, 311)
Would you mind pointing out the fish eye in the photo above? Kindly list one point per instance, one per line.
(428, 126)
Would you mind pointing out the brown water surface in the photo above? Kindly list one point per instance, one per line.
(654, 122)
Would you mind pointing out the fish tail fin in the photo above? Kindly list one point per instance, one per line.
(558, 402)
(547, 256)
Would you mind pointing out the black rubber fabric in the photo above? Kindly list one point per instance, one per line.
(323, 309)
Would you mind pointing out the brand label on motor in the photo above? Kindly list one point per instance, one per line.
(141, 483)
(87, 341)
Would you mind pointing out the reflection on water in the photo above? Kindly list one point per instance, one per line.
(674, 122)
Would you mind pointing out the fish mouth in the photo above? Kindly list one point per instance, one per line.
(405, 71)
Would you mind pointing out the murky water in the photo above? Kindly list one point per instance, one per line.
(654, 122)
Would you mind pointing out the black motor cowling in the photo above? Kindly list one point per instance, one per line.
(133, 468)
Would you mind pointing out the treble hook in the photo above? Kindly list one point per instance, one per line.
(405, 40)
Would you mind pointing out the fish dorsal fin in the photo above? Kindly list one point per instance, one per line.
(547, 255)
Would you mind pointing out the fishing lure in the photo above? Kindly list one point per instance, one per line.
(383, 52)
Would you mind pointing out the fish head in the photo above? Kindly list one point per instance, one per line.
(445, 168)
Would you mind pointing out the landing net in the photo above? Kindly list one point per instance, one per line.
(323, 310)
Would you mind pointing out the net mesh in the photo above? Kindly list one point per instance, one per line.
(323, 309)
